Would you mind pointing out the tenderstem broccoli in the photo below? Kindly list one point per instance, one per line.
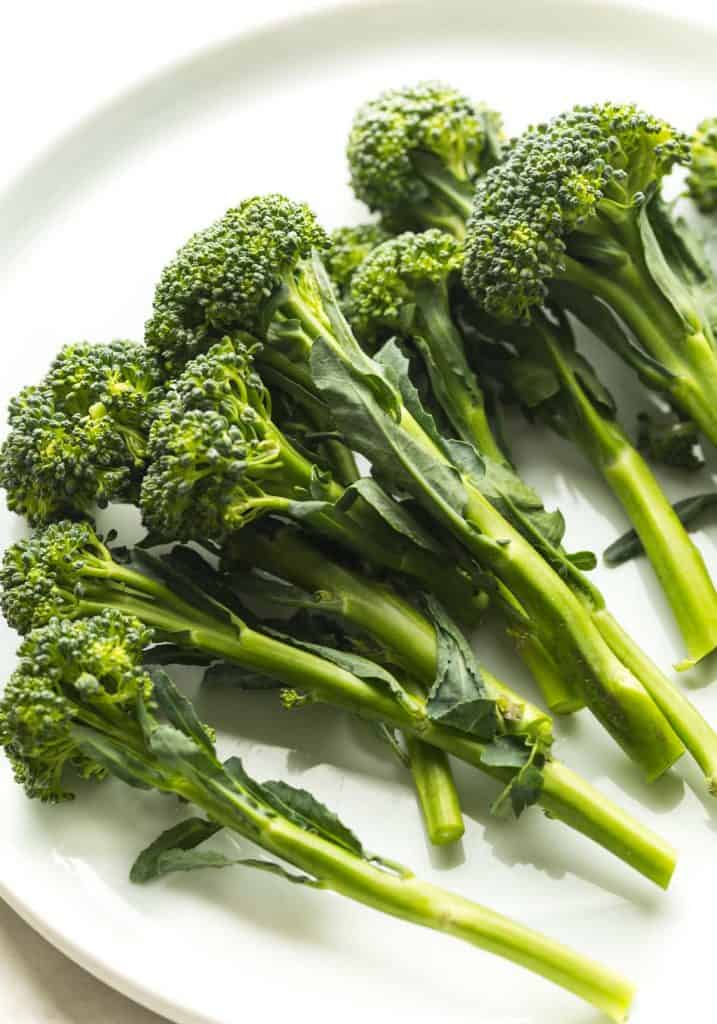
(414, 154)
(78, 439)
(286, 285)
(575, 209)
(400, 280)
(81, 698)
(65, 575)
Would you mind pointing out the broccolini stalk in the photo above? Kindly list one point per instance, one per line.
(702, 179)
(403, 635)
(218, 461)
(81, 698)
(557, 386)
(403, 286)
(78, 439)
(414, 154)
(575, 209)
(66, 574)
(274, 280)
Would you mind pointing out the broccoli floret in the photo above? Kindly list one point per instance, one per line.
(216, 458)
(71, 673)
(78, 438)
(575, 210)
(404, 287)
(702, 179)
(414, 154)
(349, 248)
(231, 276)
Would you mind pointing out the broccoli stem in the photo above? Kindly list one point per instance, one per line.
(678, 564)
(686, 352)
(570, 799)
(610, 690)
(408, 636)
(436, 791)
(395, 890)
(699, 738)
(568, 796)
(455, 385)
(421, 903)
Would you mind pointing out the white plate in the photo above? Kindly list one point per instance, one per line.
(84, 234)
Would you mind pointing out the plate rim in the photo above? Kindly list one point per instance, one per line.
(144, 994)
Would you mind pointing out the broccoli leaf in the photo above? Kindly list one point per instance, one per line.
(175, 850)
(458, 696)
(183, 837)
(228, 673)
(391, 450)
(393, 513)
(398, 369)
(178, 711)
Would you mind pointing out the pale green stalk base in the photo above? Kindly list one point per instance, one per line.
(697, 735)
(437, 794)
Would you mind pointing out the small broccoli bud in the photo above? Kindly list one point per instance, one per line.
(414, 152)
(71, 673)
(386, 287)
(546, 202)
(349, 248)
(217, 459)
(78, 439)
(702, 179)
(226, 278)
(45, 576)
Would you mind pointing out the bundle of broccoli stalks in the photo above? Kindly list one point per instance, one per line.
(284, 295)
(82, 697)
(584, 176)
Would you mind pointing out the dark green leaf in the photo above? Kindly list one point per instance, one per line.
(361, 366)
(119, 761)
(525, 789)
(306, 811)
(173, 654)
(394, 513)
(164, 569)
(178, 711)
(691, 513)
(391, 450)
(506, 752)
(183, 837)
(398, 369)
(458, 697)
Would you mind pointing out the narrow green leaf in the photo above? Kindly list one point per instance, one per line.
(458, 697)
(394, 513)
(305, 810)
(183, 837)
(178, 710)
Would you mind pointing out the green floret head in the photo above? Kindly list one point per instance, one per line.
(349, 248)
(561, 183)
(42, 577)
(702, 179)
(388, 285)
(78, 439)
(227, 277)
(392, 134)
(215, 453)
(70, 673)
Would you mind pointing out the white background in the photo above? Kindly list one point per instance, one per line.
(58, 62)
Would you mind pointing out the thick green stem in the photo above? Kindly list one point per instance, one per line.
(401, 895)
(687, 353)
(408, 636)
(323, 681)
(678, 564)
(698, 737)
(611, 691)
(436, 789)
